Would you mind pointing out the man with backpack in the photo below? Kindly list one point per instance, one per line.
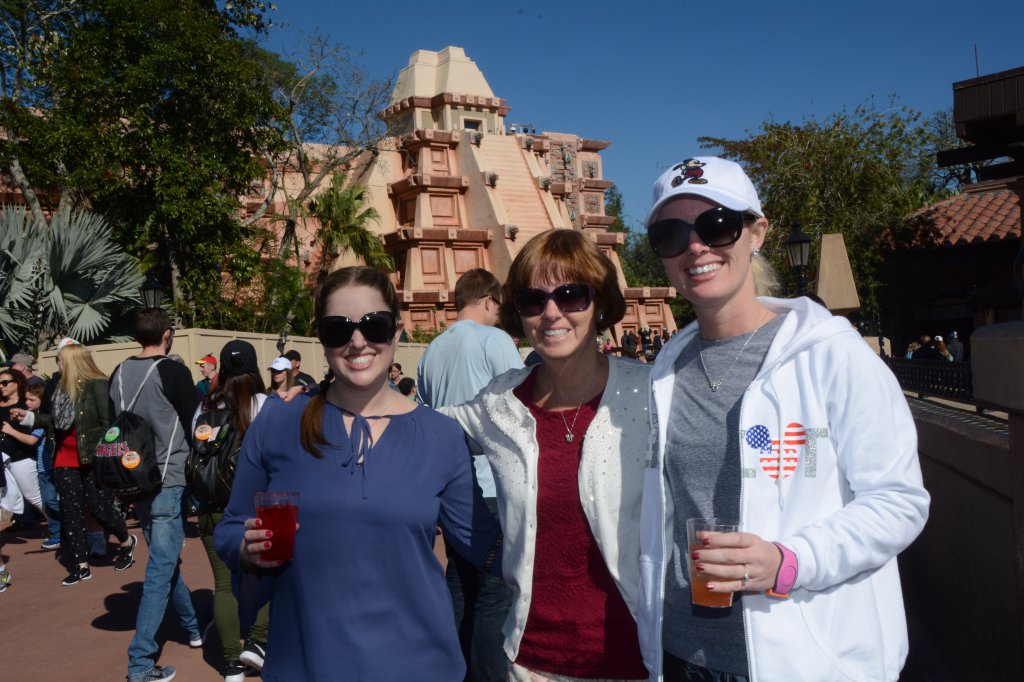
(166, 399)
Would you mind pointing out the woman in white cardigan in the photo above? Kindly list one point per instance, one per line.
(566, 441)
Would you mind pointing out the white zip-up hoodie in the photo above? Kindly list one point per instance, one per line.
(846, 498)
(610, 478)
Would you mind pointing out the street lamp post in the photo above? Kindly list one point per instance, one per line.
(798, 248)
(152, 291)
(282, 339)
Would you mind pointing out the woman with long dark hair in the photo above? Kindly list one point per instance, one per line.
(281, 381)
(364, 597)
(241, 393)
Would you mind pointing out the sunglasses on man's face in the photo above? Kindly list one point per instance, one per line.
(4, 382)
(570, 298)
(379, 327)
(715, 227)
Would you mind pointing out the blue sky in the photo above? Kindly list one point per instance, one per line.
(652, 77)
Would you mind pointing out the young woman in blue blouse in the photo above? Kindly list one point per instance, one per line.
(363, 598)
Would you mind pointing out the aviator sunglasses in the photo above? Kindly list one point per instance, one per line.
(379, 327)
(570, 298)
(715, 227)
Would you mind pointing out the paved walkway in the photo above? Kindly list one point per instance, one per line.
(81, 633)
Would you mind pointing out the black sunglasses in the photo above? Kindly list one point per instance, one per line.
(4, 382)
(378, 327)
(570, 298)
(716, 227)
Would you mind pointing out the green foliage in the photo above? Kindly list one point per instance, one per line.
(344, 216)
(161, 122)
(860, 173)
(19, 257)
(419, 335)
(276, 297)
(640, 265)
(75, 281)
(613, 208)
(150, 113)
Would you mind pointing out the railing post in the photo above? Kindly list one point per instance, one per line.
(998, 360)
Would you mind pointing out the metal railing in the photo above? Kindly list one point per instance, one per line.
(935, 378)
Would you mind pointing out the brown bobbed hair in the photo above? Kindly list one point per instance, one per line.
(564, 256)
(311, 434)
(19, 381)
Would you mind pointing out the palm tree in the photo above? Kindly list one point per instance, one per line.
(20, 250)
(73, 280)
(343, 217)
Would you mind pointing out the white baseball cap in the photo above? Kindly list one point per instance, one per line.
(65, 342)
(280, 364)
(719, 180)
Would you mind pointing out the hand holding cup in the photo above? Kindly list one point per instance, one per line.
(733, 561)
(269, 539)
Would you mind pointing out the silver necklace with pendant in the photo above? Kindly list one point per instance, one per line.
(568, 429)
(715, 385)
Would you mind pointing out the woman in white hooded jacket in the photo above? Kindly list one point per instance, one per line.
(776, 414)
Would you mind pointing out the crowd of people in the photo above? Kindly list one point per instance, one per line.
(562, 486)
(936, 348)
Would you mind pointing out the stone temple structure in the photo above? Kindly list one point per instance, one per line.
(458, 187)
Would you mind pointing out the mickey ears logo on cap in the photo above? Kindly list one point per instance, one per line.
(692, 171)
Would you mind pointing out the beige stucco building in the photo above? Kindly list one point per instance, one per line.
(457, 187)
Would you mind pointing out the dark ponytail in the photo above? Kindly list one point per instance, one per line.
(311, 433)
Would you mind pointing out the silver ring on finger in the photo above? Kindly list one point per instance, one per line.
(746, 575)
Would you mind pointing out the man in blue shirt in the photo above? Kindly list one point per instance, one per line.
(455, 366)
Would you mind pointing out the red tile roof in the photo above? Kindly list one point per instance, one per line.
(987, 212)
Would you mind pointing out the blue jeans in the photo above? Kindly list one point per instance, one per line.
(163, 526)
(51, 503)
(481, 602)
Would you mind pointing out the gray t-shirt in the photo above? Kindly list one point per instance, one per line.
(702, 469)
(167, 401)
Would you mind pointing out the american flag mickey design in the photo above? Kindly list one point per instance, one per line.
(781, 456)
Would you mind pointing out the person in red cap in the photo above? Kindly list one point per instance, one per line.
(208, 368)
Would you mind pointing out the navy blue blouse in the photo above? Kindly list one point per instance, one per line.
(364, 597)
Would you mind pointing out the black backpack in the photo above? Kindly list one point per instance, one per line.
(210, 467)
(125, 461)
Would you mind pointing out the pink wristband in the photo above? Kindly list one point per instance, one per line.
(786, 576)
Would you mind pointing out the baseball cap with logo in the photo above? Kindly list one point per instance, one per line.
(238, 357)
(719, 180)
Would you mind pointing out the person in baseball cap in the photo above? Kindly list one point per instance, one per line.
(298, 376)
(722, 204)
(280, 376)
(238, 357)
(738, 395)
(208, 368)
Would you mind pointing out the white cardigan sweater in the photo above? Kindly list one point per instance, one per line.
(610, 478)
